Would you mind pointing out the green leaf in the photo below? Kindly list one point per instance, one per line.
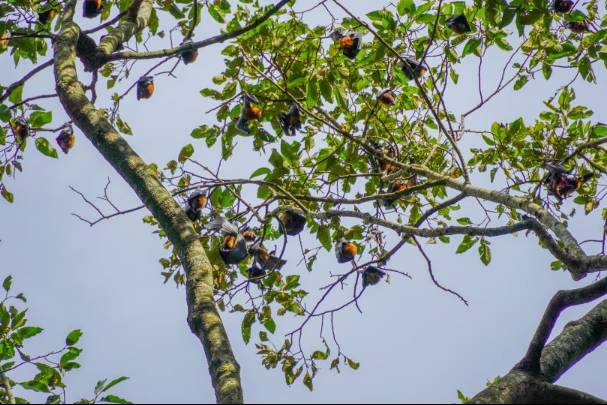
(324, 236)
(467, 243)
(73, 337)
(292, 282)
(16, 95)
(113, 399)
(353, 365)
(307, 381)
(39, 119)
(45, 147)
(5, 113)
(8, 282)
(28, 332)
(406, 7)
(186, 153)
(262, 171)
(247, 324)
(8, 196)
(472, 46)
(114, 383)
(270, 325)
(312, 94)
(485, 253)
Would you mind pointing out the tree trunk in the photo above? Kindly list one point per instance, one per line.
(203, 317)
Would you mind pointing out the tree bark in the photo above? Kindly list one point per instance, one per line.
(521, 388)
(203, 317)
(578, 339)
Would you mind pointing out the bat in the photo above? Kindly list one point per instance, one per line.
(66, 140)
(381, 165)
(562, 184)
(290, 122)
(372, 276)
(196, 203)
(190, 55)
(413, 68)
(579, 27)
(47, 15)
(265, 259)
(233, 249)
(386, 97)
(250, 111)
(563, 6)
(349, 43)
(293, 220)
(145, 87)
(256, 274)
(21, 129)
(92, 8)
(345, 251)
(459, 24)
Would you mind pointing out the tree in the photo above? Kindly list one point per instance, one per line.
(51, 367)
(363, 141)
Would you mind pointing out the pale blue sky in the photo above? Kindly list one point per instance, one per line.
(415, 343)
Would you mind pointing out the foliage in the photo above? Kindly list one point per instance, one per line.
(329, 170)
(49, 370)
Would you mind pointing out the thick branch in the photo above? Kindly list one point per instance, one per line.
(200, 44)
(138, 17)
(561, 301)
(203, 317)
(578, 262)
(522, 388)
(578, 339)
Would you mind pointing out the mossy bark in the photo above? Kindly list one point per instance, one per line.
(578, 339)
(203, 317)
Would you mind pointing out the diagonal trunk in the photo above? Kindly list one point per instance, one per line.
(203, 317)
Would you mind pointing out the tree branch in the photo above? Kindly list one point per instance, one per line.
(203, 318)
(561, 301)
(200, 44)
(578, 339)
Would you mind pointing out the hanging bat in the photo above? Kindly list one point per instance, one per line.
(372, 276)
(145, 87)
(350, 43)
(190, 55)
(579, 27)
(92, 8)
(66, 140)
(459, 24)
(233, 249)
(562, 184)
(413, 68)
(345, 251)
(249, 235)
(293, 220)
(290, 122)
(196, 203)
(399, 186)
(47, 15)
(563, 6)
(21, 129)
(265, 259)
(250, 111)
(381, 165)
(256, 274)
(387, 97)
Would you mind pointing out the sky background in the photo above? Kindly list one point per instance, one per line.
(415, 343)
